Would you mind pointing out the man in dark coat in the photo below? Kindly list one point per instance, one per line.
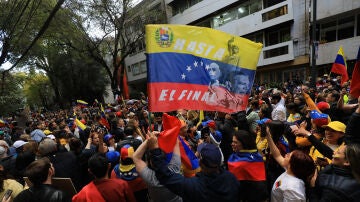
(211, 184)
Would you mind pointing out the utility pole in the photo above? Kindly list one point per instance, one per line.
(313, 55)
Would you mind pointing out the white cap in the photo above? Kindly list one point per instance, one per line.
(19, 143)
(51, 137)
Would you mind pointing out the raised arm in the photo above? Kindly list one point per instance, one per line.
(273, 148)
(137, 157)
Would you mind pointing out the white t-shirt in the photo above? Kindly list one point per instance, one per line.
(288, 188)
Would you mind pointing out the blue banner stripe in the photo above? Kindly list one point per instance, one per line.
(249, 157)
(186, 68)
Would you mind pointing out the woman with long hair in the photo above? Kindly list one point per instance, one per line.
(247, 164)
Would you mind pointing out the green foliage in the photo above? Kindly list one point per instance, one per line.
(38, 91)
(12, 97)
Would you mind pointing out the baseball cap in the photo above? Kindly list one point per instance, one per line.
(19, 143)
(210, 155)
(322, 106)
(337, 126)
(108, 137)
(113, 156)
(51, 137)
(209, 123)
(47, 132)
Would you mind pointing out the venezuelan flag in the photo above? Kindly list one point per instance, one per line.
(199, 68)
(247, 165)
(355, 78)
(79, 124)
(339, 66)
(167, 141)
(103, 121)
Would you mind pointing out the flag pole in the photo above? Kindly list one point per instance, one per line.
(149, 117)
(313, 59)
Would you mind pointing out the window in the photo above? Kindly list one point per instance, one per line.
(143, 67)
(135, 69)
(224, 18)
(276, 52)
(338, 29)
(328, 31)
(178, 6)
(278, 36)
(255, 6)
(257, 37)
(275, 13)
(242, 10)
(346, 28)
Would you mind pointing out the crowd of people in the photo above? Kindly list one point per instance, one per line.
(293, 143)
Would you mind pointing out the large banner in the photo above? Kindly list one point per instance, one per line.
(199, 68)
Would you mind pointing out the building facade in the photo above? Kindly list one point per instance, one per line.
(282, 26)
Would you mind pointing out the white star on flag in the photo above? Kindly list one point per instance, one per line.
(195, 64)
(207, 67)
(188, 68)
(201, 63)
(183, 76)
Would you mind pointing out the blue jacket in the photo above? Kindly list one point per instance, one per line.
(222, 186)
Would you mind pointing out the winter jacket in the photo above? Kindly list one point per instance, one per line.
(222, 186)
(335, 184)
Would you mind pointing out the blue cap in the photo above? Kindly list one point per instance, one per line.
(210, 155)
(107, 137)
(113, 156)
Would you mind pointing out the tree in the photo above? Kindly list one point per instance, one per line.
(12, 97)
(21, 22)
(120, 28)
(37, 90)
(72, 74)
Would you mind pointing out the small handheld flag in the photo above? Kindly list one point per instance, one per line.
(339, 66)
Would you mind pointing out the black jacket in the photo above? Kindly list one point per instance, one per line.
(42, 193)
(222, 186)
(352, 129)
(335, 184)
